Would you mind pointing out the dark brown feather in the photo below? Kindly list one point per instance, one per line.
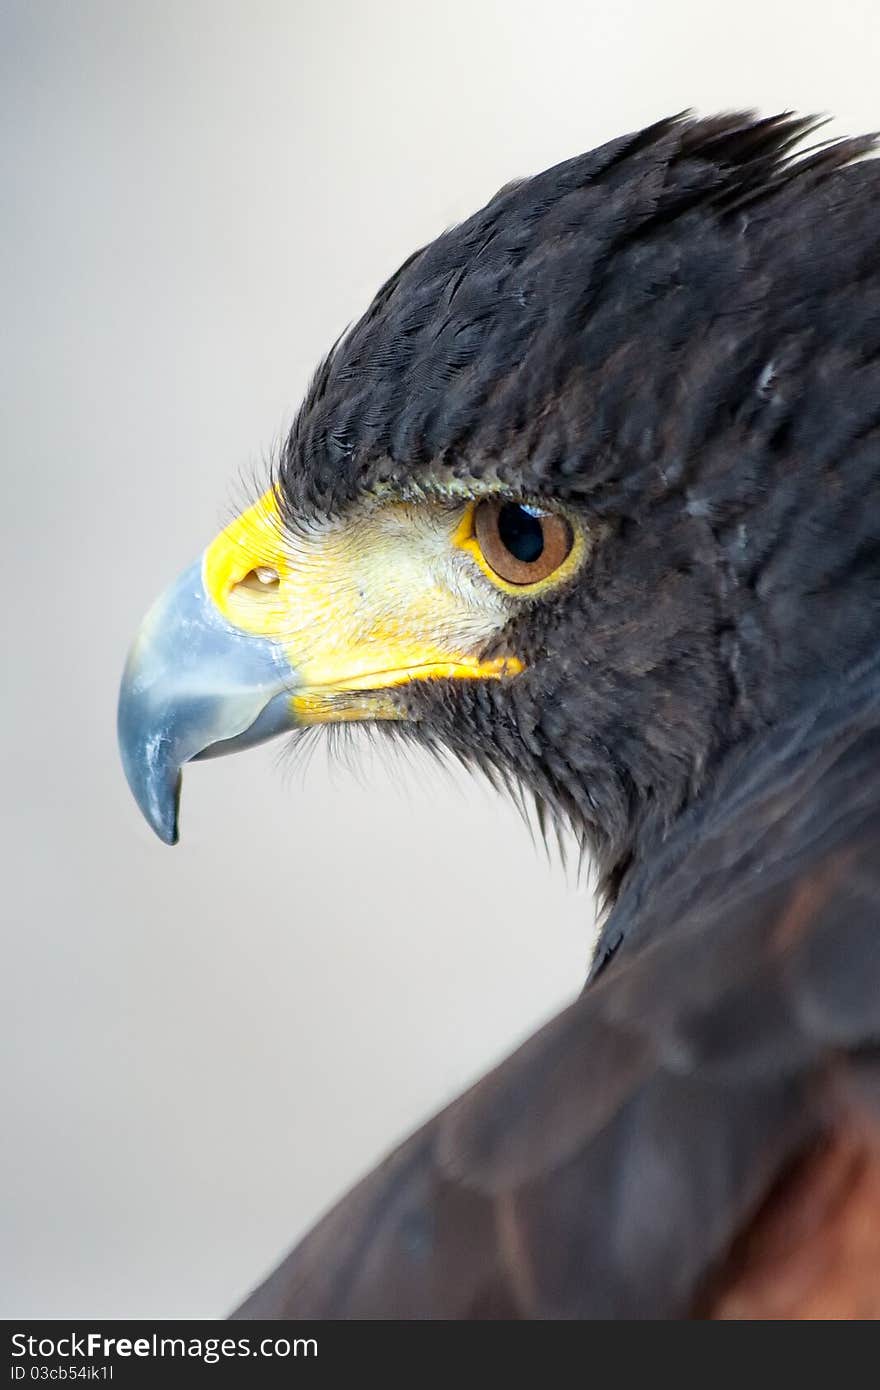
(613, 1164)
(679, 336)
(813, 1251)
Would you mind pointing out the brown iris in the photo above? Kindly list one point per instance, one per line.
(522, 544)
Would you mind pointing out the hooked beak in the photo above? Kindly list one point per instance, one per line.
(194, 686)
(273, 629)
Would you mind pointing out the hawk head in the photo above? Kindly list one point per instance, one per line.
(565, 500)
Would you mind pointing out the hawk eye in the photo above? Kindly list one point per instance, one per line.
(521, 544)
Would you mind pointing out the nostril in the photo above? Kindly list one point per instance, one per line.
(261, 580)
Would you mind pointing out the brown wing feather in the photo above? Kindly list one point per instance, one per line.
(813, 1251)
(657, 1148)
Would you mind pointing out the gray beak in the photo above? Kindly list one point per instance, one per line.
(194, 686)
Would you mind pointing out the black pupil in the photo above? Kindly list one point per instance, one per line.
(521, 532)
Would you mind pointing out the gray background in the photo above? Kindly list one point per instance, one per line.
(202, 1047)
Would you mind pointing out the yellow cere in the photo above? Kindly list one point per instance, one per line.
(372, 601)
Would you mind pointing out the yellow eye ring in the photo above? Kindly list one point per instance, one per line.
(522, 548)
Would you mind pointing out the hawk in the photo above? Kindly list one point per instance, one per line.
(590, 498)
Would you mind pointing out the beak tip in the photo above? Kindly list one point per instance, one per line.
(167, 829)
(159, 800)
(167, 820)
(157, 793)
